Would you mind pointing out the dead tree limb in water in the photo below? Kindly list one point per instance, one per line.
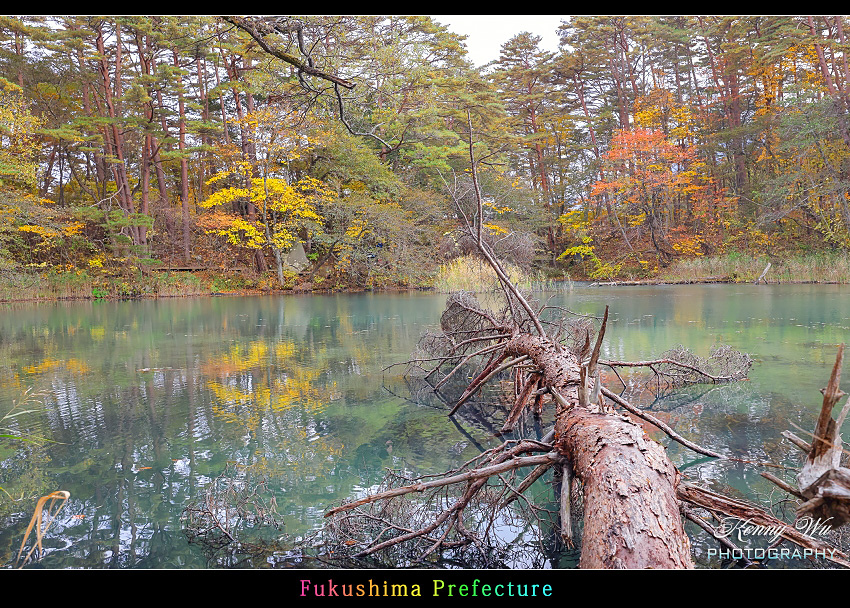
(823, 483)
(745, 512)
(632, 493)
(761, 276)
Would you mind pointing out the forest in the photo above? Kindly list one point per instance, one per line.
(169, 155)
(165, 156)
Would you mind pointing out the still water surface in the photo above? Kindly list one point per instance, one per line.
(147, 401)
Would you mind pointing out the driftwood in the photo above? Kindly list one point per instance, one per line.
(745, 512)
(632, 494)
(823, 483)
(763, 273)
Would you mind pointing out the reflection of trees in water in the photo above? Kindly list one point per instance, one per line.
(154, 426)
(484, 412)
(413, 443)
(484, 535)
(257, 386)
(235, 519)
(732, 419)
(523, 535)
(268, 395)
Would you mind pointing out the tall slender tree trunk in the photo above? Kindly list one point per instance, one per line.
(147, 145)
(248, 152)
(184, 163)
(205, 116)
(114, 139)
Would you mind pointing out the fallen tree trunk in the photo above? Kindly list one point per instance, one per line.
(632, 517)
(632, 493)
(631, 514)
(631, 503)
(631, 511)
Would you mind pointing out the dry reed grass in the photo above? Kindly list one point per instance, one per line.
(36, 523)
(831, 267)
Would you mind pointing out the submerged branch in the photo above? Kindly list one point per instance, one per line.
(473, 389)
(673, 362)
(502, 466)
(483, 351)
(660, 424)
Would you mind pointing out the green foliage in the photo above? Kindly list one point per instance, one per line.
(88, 178)
(599, 269)
(230, 282)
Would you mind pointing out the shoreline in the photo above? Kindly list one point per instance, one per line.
(210, 294)
(705, 281)
(302, 292)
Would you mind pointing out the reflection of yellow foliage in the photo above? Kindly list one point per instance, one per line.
(42, 367)
(77, 366)
(284, 350)
(238, 358)
(73, 365)
(250, 395)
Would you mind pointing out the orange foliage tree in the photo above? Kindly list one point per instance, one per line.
(653, 185)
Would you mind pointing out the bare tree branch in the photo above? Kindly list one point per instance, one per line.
(259, 34)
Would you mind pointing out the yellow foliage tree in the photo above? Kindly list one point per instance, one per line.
(283, 206)
(18, 142)
(286, 210)
(27, 222)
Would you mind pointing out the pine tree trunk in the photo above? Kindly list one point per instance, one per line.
(631, 512)
(184, 166)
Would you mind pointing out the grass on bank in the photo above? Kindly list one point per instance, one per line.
(469, 273)
(819, 267)
(82, 284)
(473, 274)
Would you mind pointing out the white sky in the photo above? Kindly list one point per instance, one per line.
(487, 33)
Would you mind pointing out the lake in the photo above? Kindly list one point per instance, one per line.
(146, 403)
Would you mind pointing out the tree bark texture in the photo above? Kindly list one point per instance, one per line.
(631, 512)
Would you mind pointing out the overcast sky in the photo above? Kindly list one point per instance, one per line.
(487, 33)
